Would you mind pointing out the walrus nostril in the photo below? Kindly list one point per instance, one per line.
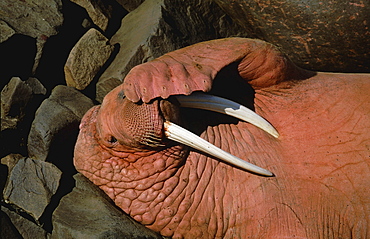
(112, 140)
(170, 110)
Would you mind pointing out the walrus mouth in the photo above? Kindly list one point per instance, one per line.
(208, 102)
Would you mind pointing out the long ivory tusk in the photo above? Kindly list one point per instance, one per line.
(224, 106)
(181, 135)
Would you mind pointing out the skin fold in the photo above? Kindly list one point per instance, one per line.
(321, 160)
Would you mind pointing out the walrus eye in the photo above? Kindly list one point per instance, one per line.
(112, 140)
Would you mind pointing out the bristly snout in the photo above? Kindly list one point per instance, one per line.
(122, 123)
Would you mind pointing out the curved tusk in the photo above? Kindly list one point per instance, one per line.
(181, 135)
(224, 106)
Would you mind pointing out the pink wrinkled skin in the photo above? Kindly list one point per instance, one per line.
(321, 159)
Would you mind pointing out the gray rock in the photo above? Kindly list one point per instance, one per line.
(58, 116)
(31, 185)
(87, 212)
(14, 98)
(130, 5)
(11, 160)
(19, 227)
(137, 29)
(317, 35)
(32, 18)
(98, 10)
(19, 102)
(7, 164)
(86, 58)
(51, 119)
(160, 26)
(37, 19)
(5, 31)
(72, 99)
(104, 86)
(8, 123)
(36, 86)
(8, 230)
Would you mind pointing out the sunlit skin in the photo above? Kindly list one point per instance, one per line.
(320, 161)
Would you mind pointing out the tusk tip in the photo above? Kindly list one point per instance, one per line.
(270, 174)
(275, 134)
(263, 172)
